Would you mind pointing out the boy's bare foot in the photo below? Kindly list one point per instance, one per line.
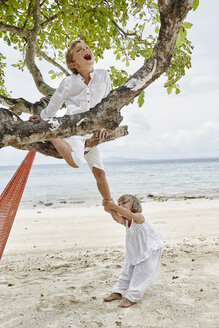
(112, 297)
(126, 303)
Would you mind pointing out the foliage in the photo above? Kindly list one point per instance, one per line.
(3, 90)
(181, 59)
(129, 27)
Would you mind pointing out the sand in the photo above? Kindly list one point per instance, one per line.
(59, 264)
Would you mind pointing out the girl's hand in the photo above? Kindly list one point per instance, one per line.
(116, 217)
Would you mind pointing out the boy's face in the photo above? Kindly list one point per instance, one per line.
(82, 57)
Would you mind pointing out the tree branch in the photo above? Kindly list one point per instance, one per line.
(16, 133)
(44, 88)
(53, 62)
(13, 29)
(48, 20)
(36, 17)
(21, 105)
(46, 148)
(121, 30)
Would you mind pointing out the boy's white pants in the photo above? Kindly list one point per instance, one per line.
(93, 157)
(137, 278)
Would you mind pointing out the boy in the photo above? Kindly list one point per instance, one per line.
(80, 91)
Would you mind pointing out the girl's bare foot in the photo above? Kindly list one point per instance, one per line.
(126, 303)
(112, 297)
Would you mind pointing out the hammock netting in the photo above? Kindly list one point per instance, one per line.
(11, 196)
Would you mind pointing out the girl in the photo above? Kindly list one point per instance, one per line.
(143, 251)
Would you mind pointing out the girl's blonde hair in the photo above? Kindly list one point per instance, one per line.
(134, 201)
(69, 57)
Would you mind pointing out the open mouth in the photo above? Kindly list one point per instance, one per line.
(87, 57)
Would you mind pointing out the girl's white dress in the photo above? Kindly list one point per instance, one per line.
(141, 241)
(142, 261)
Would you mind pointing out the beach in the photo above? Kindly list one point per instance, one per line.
(59, 263)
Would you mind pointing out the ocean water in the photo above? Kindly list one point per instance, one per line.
(157, 180)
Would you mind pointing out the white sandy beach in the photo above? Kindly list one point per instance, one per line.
(59, 264)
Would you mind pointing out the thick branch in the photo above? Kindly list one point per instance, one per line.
(46, 148)
(16, 133)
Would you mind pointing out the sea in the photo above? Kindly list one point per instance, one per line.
(60, 185)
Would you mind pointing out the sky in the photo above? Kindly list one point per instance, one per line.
(167, 126)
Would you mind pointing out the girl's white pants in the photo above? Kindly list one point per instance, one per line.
(137, 278)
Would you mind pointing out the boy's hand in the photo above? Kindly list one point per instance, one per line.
(35, 117)
(108, 204)
(102, 134)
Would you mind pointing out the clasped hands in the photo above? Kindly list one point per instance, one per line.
(108, 204)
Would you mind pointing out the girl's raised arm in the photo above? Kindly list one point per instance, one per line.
(136, 217)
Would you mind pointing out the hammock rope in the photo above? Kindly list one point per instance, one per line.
(11, 196)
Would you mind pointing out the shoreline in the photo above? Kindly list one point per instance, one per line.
(62, 262)
(150, 198)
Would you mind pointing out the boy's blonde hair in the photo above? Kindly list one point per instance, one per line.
(69, 57)
(134, 201)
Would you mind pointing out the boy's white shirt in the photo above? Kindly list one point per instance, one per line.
(78, 96)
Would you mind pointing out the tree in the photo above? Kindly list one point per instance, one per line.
(41, 29)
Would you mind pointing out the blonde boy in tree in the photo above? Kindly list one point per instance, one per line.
(82, 90)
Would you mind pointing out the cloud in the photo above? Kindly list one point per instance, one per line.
(146, 144)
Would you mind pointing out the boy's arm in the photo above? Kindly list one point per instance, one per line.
(56, 101)
(102, 134)
(107, 83)
(136, 217)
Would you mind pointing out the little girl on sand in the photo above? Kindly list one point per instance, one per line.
(143, 252)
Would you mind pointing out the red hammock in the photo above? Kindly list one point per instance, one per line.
(11, 196)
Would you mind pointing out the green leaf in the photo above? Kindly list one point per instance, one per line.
(141, 99)
(195, 4)
(177, 91)
(157, 29)
(187, 25)
(169, 90)
(130, 45)
(181, 37)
